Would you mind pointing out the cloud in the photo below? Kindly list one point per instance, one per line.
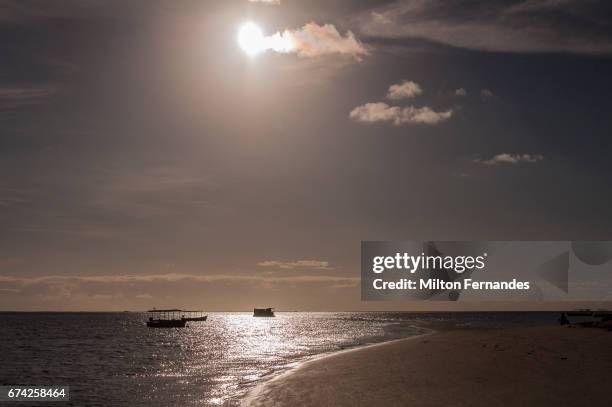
(217, 291)
(10, 290)
(313, 40)
(168, 278)
(486, 93)
(25, 93)
(79, 288)
(19, 96)
(461, 92)
(573, 26)
(290, 265)
(382, 112)
(275, 2)
(506, 158)
(403, 90)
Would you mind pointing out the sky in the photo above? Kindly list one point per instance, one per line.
(148, 157)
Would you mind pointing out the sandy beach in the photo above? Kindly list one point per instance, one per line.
(544, 366)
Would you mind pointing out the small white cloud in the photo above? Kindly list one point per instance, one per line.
(404, 90)
(375, 112)
(382, 112)
(461, 92)
(311, 40)
(167, 278)
(486, 93)
(290, 265)
(506, 158)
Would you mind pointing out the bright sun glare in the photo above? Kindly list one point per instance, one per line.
(251, 39)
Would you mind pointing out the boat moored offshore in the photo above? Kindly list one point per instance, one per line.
(263, 312)
(173, 318)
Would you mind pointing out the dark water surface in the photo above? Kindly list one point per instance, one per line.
(113, 359)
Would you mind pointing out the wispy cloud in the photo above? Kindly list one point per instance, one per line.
(83, 289)
(404, 90)
(10, 290)
(109, 193)
(275, 2)
(486, 93)
(382, 112)
(147, 290)
(19, 96)
(506, 158)
(169, 278)
(290, 265)
(573, 26)
(461, 92)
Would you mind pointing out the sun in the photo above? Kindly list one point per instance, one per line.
(251, 39)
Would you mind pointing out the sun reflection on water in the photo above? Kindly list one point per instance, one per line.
(121, 362)
(115, 359)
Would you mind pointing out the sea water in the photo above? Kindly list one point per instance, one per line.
(113, 359)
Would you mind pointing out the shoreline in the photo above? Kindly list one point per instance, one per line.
(535, 366)
(252, 394)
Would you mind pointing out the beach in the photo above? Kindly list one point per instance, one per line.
(539, 366)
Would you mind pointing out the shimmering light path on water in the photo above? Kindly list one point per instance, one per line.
(114, 359)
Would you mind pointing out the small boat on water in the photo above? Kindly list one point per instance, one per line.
(173, 318)
(263, 312)
(587, 318)
(580, 313)
(197, 318)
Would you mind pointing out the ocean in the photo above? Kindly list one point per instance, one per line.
(113, 359)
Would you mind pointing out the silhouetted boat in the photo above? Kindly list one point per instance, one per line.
(587, 317)
(580, 313)
(263, 312)
(173, 318)
(196, 318)
(166, 323)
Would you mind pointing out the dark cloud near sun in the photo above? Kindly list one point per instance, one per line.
(574, 26)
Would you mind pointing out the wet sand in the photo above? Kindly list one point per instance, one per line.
(547, 366)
